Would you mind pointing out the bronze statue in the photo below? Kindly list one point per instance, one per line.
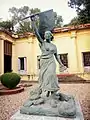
(47, 77)
(46, 98)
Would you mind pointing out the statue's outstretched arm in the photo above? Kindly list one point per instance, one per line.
(36, 31)
(58, 59)
(62, 67)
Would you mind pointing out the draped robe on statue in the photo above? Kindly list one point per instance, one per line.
(47, 77)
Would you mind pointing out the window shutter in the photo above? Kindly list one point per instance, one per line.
(18, 64)
(25, 64)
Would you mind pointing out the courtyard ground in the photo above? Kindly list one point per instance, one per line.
(9, 104)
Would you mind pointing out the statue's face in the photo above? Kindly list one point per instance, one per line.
(48, 35)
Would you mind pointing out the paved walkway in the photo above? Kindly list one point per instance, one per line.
(9, 104)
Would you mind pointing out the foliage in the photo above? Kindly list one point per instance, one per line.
(8, 25)
(75, 21)
(10, 80)
(83, 10)
(17, 14)
(58, 20)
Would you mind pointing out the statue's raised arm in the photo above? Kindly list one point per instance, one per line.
(36, 30)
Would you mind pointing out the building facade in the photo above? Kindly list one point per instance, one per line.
(21, 54)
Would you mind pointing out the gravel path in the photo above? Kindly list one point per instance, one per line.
(9, 104)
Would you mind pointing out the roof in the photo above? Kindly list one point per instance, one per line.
(25, 35)
(56, 30)
(16, 35)
(6, 31)
(70, 28)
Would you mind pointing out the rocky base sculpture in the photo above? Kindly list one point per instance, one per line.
(58, 104)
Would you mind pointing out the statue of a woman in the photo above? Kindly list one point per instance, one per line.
(52, 103)
(47, 77)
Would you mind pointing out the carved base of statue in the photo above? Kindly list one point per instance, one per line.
(57, 104)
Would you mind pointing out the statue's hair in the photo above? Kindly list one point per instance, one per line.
(52, 37)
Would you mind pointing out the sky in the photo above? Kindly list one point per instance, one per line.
(59, 6)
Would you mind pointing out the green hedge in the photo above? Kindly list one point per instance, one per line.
(10, 80)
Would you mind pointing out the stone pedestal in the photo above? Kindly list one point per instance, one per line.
(19, 116)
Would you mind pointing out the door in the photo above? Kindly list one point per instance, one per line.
(7, 56)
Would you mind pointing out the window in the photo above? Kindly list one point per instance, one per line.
(64, 59)
(86, 61)
(22, 65)
(86, 58)
(38, 62)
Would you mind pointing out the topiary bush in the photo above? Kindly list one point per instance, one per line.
(10, 80)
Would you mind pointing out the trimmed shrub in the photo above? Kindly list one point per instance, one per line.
(10, 80)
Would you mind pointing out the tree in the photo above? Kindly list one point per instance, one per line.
(58, 20)
(17, 14)
(75, 21)
(83, 9)
(8, 25)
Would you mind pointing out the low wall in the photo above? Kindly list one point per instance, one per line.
(29, 77)
(77, 77)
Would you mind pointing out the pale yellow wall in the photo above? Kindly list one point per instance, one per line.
(14, 57)
(72, 42)
(83, 45)
(36, 51)
(3, 36)
(7, 37)
(66, 44)
(23, 48)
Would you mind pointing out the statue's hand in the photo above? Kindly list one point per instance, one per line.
(66, 71)
(33, 18)
(63, 69)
